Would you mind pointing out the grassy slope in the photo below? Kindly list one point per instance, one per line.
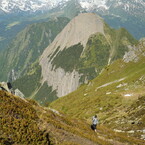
(109, 101)
(25, 122)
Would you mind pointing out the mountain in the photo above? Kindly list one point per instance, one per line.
(123, 13)
(76, 55)
(29, 123)
(16, 20)
(19, 63)
(11, 25)
(16, 15)
(11, 6)
(116, 95)
(105, 5)
(68, 9)
(28, 46)
(25, 122)
(14, 6)
(80, 52)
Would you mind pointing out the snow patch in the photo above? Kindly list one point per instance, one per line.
(120, 131)
(128, 95)
(121, 85)
(131, 131)
(90, 4)
(108, 93)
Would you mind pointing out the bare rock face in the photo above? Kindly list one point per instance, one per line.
(77, 31)
(135, 52)
(61, 81)
(8, 88)
(19, 93)
(4, 86)
(131, 55)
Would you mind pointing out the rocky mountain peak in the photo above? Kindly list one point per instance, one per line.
(76, 32)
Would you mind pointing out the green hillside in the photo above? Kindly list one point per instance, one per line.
(100, 50)
(23, 53)
(89, 62)
(25, 122)
(117, 95)
(30, 85)
(28, 46)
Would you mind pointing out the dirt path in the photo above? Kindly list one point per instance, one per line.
(110, 83)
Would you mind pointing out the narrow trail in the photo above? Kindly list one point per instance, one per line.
(110, 83)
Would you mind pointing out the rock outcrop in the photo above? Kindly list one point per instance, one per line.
(135, 52)
(78, 31)
(6, 86)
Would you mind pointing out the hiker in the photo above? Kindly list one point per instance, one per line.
(9, 85)
(10, 88)
(94, 122)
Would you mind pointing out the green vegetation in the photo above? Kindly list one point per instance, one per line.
(29, 82)
(45, 95)
(119, 41)
(31, 87)
(95, 57)
(25, 122)
(134, 24)
(100, 50)
(29, 45)
(19, 122)
(69, 58)
(116, 95)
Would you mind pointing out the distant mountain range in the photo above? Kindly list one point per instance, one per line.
(15, 6)
(15, 15)
(12, 6)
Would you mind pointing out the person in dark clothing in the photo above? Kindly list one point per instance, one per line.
(94, 122)
(9, 85)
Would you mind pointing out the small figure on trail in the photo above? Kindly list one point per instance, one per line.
(94, 122)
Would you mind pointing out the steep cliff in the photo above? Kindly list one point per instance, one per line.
(80, 51)
(77, 31)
